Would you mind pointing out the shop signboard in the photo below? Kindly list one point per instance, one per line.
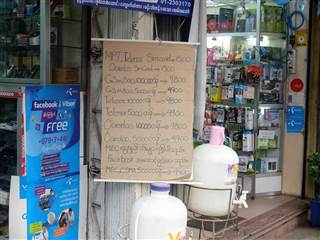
(147, 110)
(170, 7)
(295, 119)
(51, 182)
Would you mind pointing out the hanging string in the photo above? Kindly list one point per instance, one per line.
(134, 26)
(156, 27)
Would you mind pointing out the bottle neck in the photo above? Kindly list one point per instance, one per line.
(157, 193)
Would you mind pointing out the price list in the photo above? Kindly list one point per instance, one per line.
(147, 110)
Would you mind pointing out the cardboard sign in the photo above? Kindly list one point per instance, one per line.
(147, 110)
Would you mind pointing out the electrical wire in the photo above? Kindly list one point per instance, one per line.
(292, 17)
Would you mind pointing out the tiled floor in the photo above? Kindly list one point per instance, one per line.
(262, 204)
(304, 232)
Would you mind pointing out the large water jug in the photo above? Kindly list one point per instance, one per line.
(216, 166)
(158, 215)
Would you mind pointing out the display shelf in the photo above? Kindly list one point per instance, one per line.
(263, 149)
(274, 36)
(232, 34)
(66, 46)
(270, 105)
(65, 20)
(268, 128)
(8, 130)
(245, 174)
(19, 80)
(20, 39)
(235, 39)
(272, 174)
(234, 105)
(240, 152)
(270, 35)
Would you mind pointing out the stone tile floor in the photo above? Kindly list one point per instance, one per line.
(304, 232)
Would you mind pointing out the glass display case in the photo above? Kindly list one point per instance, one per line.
(246, 69)
(20, 39)
(10, 153)
(43, 42)
(67, 31)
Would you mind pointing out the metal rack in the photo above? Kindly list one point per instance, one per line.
(232, 215)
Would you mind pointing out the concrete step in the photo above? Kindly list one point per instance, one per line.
(273, 224)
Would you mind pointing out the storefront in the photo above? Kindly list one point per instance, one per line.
(250, 78)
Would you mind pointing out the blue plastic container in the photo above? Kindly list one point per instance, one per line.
(315, 213)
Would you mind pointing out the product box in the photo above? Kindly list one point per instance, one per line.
(215, 93)
(220, 115)
(276, 72)
(247, 141)
(232, 115)
(225, 91)
(226, 23)
(272, 18)
(263, 143)
(212, 23)
(270, 91)
(251, 20)
(248, 92)
(65, 75)
(243, 164)
(238, 92)
(269, 165)
(272, 117)
(240, 15)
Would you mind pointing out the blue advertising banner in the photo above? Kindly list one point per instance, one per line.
(295, 119)
(53, 209)
(170, 7)
(52, 149)
(52, 116)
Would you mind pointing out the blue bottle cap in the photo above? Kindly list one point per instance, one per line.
(160, 187)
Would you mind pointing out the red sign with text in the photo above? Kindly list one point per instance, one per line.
(296, 85)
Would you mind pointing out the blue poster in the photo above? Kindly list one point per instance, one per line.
(53, 209)
(295, 119)
(170, 7)
(52, 148)
(52, 117)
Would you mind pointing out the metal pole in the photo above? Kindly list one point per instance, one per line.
(257, 97)
(45, 48)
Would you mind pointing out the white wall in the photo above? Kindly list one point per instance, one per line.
(294, 142)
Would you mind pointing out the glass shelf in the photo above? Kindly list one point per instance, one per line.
(234, 105)
(8, 154)
(272, 174)
(232, 34)
(67, 47)
(59, 20)
(20, 39)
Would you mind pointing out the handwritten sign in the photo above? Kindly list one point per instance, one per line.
(147, 110)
